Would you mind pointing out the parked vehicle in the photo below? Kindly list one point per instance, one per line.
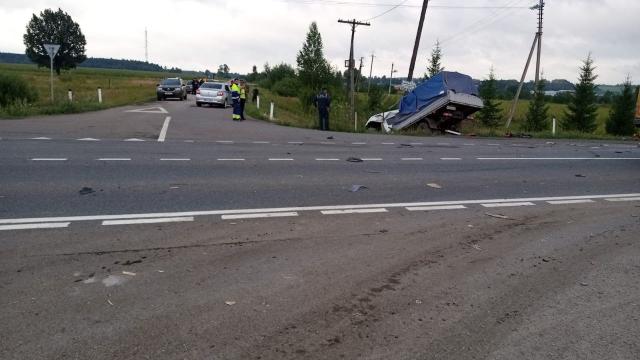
(439, 104)
(171, 88)
(213, 93)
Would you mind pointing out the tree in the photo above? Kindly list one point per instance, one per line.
(435, 65)
(490, 114)
(622, 112)
(223, 70)
(55, 28)
(582, 110)
(313, 69)
(536, 119)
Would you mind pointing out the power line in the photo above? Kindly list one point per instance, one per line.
(388, 11)
(393, 6)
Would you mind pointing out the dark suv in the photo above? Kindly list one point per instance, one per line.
(171, 88)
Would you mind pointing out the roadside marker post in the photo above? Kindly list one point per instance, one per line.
(553, 127)
(355, 122)
(70, 94)
(271, 112)
(100, 95)
(52, 50)
(258, 102)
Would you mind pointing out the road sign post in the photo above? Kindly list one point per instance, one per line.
(52, 50)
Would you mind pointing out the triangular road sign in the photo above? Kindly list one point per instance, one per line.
(151, 110)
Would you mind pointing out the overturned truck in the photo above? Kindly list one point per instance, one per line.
(438, 104)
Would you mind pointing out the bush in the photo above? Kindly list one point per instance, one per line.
(286, 87)
(14, 89)
(375, 98)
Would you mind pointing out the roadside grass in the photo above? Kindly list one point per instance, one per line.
(289, 112)
(119, 87)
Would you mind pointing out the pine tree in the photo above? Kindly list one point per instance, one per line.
(622, 112)
(435, 65)
(490, 114)
(536, 119)
(55, 28)
(582, 110)
(313, 69)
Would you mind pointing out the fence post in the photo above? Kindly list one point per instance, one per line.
(258, 102)
(271, 112)
(100, 95)
(70, 95)
(553, 129)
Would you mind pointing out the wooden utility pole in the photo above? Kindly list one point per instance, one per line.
(359, 75)
(353, 24)
(540, 8)
(370, 72)
(425, 3)
(391, 77)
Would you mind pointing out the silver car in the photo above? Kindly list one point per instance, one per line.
(213, 93)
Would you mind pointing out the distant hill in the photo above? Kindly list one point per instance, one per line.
(102, 63)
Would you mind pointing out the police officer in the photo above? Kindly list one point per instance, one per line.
(322, 102)
(235, 99)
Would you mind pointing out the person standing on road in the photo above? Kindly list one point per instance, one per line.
(243, 98)
(235, 99)
(322, 102)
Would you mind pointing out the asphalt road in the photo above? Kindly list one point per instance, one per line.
(168, 231)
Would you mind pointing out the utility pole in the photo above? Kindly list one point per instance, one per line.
(359, 75)
(370, 71)
(425, 3)
(391, 77)
(537, 39)
(353, 24)
(146, 46)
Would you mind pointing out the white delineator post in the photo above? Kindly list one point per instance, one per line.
(258, 102)
(70, 95)
(271, 112)
(100, 95)
(355, 122)
(553, 127)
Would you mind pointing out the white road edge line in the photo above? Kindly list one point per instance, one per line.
(55, 225)
(567, 158)
(49, 159)
(624, 199)
(564, 202)
(114, 159)
(353, 211)
(147, 221)
(307, 208)
(508, 204)
(165, 127)
(430, 208)
(259, 216)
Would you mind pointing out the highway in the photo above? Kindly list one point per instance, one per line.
(168, 231)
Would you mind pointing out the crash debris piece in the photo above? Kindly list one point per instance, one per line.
(498, 216)
(434, 185)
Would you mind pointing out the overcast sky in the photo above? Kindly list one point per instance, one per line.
(475, 34)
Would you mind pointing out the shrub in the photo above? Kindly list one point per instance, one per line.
(286, 87)
(14, 89)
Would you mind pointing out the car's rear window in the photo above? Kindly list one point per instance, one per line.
(171, 82)
(211, 86)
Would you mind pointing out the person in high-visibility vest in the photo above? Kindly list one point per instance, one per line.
(235, 99)
(243, 98)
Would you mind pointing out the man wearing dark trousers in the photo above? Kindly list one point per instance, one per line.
(322, 102)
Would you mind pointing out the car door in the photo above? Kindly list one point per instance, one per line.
(227, 93)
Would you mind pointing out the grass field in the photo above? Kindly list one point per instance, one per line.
(119, 87)
(289, 112)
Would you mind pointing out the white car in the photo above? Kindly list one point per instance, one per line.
(213, 93)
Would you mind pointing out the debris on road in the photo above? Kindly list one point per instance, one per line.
(453, 132)
(329, 137)
(86, 190)
(354, 159)
(129, 273)
(230, 303)
(498, 216)
(580, 176)
(109, 301)
(476, 246)
(356, 188)
(584, 284)
(434, 185)
(113, 280)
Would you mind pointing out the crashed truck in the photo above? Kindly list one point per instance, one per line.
(439, 104)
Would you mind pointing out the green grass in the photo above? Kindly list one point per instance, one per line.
(119, 87)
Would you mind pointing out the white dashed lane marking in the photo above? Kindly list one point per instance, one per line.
(259, 215)
(175, 159)
(49, 159)
(371, 159)
(353, 211)
(564, 202)
(411, 159)
(624, 199)
(280, 159)
(147, 221)
(163, 131)
(224, 142)
(230, 159)
(508, 204)
(35, 226)
(432, 208)
(450, 159)
(88, 139)
(114, 159)
(327, 159)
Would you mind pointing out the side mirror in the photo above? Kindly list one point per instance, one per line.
(157, 84)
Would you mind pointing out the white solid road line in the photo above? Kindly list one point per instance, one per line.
(49, 159)
(35, 226)
(306, 208)
(450, 159)
(230, 159)
(563, 202)
(624, 199)
(114, 159)
(411, 159)
(353, 211)
(175, 159)
(327, 159)
(556, 158)
(148, 221)
(280, 159)
(441, 207)
(259, 216)
(165, 127)
(508, 204)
